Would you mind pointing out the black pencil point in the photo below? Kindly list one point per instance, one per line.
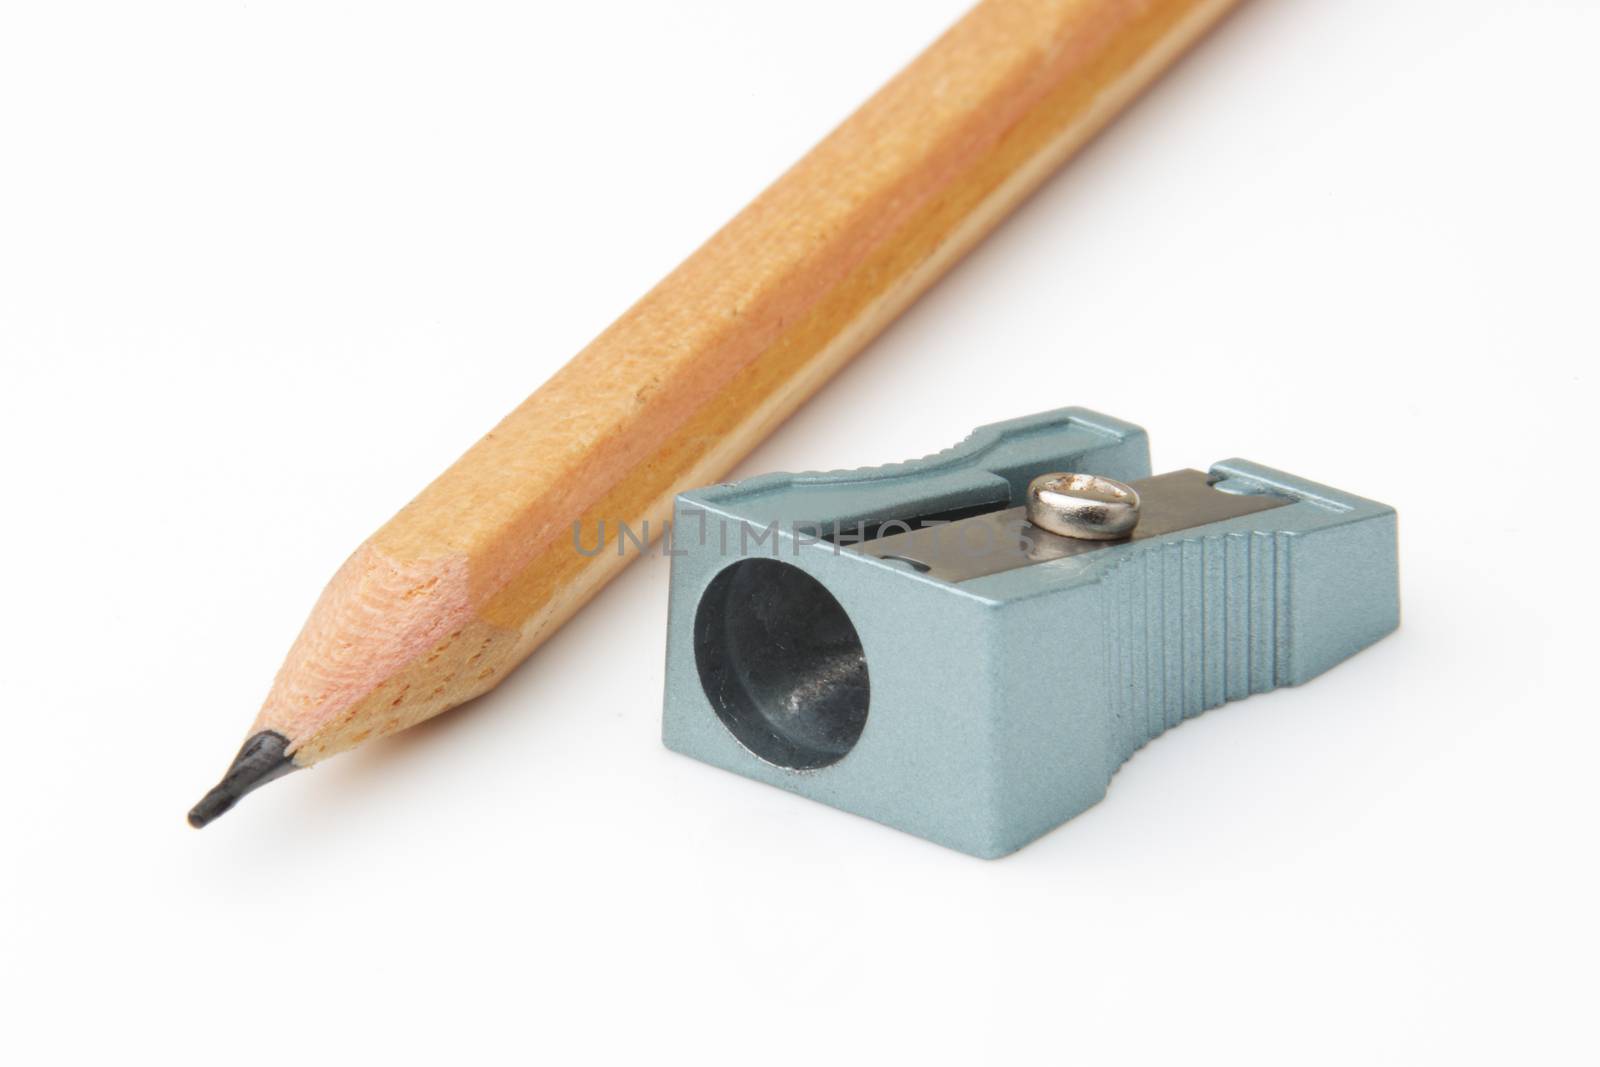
(260, 761)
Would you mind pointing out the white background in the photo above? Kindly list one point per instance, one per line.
(1352, 239)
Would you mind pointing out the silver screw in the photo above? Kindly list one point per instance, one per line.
(1085, 506)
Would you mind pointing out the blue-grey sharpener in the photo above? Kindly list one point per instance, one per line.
(927, 645)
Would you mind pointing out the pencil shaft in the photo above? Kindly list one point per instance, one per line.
(481, 567)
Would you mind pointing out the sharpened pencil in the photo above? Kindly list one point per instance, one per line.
(471, 576)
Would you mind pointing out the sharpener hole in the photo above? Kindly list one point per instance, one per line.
(781, 664)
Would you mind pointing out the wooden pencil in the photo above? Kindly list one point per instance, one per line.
(467, 579)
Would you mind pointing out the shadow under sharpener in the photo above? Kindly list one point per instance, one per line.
(978, 691)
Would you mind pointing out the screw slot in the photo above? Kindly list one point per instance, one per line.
(1085, 506)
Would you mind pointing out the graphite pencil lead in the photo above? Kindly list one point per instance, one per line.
(261, 760)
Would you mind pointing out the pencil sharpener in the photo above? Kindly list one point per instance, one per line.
(916, 643)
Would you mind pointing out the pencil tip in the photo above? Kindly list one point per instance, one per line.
(260, 761)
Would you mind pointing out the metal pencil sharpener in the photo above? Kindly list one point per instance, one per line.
(933, 645)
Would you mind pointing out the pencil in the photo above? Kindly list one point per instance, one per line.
(471, 576)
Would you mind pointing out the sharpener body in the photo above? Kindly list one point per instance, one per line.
(979, 705)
